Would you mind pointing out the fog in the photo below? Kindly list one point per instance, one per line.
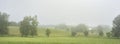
(70, 12)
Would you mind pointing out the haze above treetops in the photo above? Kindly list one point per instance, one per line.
(69, 12)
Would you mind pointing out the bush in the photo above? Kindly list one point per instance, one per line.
(73, 34)
(108, 34)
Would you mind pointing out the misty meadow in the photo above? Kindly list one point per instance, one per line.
(59, 22)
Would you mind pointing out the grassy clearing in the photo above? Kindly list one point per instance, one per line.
(57, 40)
(14, 31)
(56, 37)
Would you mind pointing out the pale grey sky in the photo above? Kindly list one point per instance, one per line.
(71, 12)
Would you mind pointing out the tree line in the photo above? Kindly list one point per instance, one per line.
(28, 27)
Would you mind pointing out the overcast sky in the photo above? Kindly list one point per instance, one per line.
(70, 12)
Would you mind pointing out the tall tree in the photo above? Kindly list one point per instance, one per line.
(34, 24)
(3, 23)
(25, 26)
(28, 26)
(116, 27)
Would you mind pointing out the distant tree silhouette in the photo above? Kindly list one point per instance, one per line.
(101, 33)
(48, 32)
(81, 28)
(100, 29)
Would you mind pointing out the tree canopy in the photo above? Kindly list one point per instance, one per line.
(81, 28)
(116, 27)
(3, 23)
(28, 26)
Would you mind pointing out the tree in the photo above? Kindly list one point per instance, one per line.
(3, 23)
(100, 30)
(116, 27)
(28, 26)
(73, 31)
(81, 28)
(48, 32)
(101, 33)
(86, 33)
(25, 26)
(73, 34)
(34, 26)
(93, 30)
(108, 34)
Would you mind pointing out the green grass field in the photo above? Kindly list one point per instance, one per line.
(57, 37)
(57, 40)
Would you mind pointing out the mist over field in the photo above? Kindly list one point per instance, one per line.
(59, 22)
